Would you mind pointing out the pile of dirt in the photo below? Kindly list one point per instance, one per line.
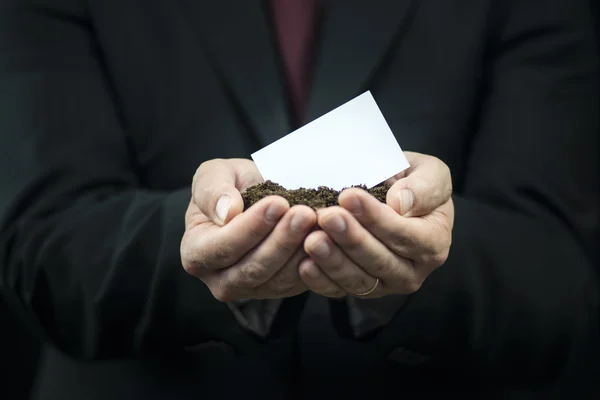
(316, 198)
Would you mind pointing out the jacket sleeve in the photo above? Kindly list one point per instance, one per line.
(519, 292)
(91, 255)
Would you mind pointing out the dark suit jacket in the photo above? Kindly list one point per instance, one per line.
(107, 108)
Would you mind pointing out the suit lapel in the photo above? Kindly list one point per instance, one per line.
(236, 35)
(239, 42)
(354, 37)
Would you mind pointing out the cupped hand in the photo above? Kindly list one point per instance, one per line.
(370, 249)
(243, 255)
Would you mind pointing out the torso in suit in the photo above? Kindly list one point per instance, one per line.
(108, 107)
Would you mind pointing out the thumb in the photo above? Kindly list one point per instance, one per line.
(214, 191)
(426, 186)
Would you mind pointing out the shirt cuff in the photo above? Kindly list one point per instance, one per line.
(366, 316)
(256, 316)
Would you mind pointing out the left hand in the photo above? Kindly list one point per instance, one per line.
(400, 243)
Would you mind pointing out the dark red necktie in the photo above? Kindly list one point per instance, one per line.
(295, 26)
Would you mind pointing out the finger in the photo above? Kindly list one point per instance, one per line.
(263, 262)
(433, 232)
(286, 282)
(193, 216)
(247, 173)
(219, 247)
(426, 186)
(376, 259)
(317, 281)
(217, 185)
(344, 272)
(424, 240)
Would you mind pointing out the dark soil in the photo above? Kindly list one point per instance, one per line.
(315, 198)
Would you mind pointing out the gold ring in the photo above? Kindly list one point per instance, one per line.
(369, 291)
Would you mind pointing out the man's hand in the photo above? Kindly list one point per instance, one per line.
(243, 255)
(400, 243)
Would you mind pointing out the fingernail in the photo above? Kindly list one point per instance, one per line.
(274, 212)
(407, 198)
(335, 224)
(223, 206)
(299, 223)
(321, 249)
(354, 205)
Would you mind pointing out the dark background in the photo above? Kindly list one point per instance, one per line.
(20, 349)
(19, 353)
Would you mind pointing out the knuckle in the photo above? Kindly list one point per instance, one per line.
(440, 258)
(445, 177)
(408, 238)
(356, 240)
(222, 253)
(306, 272)
(284, 245)
(201, 172)
(378, 269)
(282, 283)
(257, 232)
(206, 186)
(222, 294)
(380, 265)
(334, 267)
(357, 285)
(209, 164)
(221, 290)
(286, 280)
(449, 186)
(436, 259)
(444, 194)
(413, 285)
(189, 260)
(191, 268)
(252, 274)
(445, 227)
(441, 236)
(419, 184)
(203, 166)
(187, 255)
(447, 173)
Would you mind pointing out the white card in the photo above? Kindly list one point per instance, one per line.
(351, 145)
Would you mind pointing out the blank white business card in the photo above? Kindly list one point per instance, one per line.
(351, 145)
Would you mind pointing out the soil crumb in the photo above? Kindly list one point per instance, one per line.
(316, 198)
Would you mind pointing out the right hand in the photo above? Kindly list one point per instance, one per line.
(243, 255)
